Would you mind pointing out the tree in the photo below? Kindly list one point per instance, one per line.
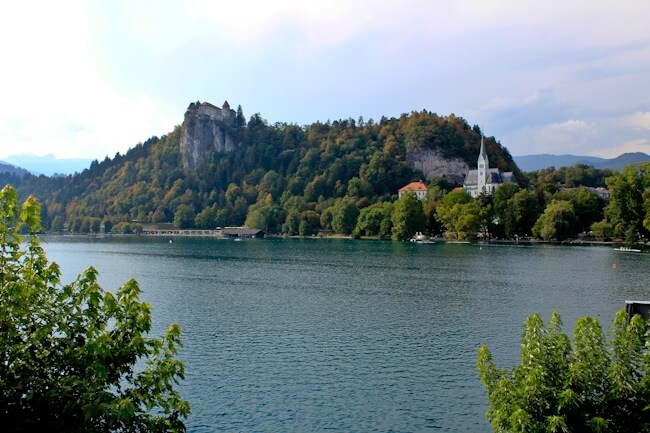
(372, 218)
(240, 120)
(460, 215)
(592, 386)
(265, 215)
(526, 211)
(586, 205)
(309, 224)
(602, 229)
(291, 224)
(344, 216)
(503, 209)
(184, 216)
(557, 221)
(206, 219)
(627, 207)
(69, 353)
(407, 217)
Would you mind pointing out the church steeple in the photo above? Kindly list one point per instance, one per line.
(483, 166)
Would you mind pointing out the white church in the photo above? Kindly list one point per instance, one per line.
(485, 180)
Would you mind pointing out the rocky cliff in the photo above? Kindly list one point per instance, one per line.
(433, 164)
(206, 130)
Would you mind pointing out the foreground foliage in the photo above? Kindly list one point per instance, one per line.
(76, 358)
(589, 385)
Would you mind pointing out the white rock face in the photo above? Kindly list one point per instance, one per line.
(203, 135)
(433, 164)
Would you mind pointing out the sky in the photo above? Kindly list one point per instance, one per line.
(87, 79)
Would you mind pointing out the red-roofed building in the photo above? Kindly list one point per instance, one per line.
(419, 188)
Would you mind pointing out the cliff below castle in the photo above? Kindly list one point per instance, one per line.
(206, 131)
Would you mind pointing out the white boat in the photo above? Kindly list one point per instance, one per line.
(420, 238)
(627, 250)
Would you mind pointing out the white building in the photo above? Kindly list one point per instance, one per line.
(485, 180)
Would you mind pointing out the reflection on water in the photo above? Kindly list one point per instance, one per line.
(340, 335)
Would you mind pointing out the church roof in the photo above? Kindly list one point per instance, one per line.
(414, 186)
(494, 176)
(482, 151)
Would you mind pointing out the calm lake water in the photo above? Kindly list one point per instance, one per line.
(339, 335)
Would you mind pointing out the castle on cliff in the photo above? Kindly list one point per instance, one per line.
(223, 114)
(206, 131)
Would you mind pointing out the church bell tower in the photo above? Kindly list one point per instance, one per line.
(483, 168)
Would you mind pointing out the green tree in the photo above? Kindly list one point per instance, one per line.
(344, 216)
(407, 217)
(372, 219)
(206, 219)
(646, 204)
(557, 222)
(602, 229)
(460, 215)
(587, 206)
(590, 386)
(69, 353)
(184, 216)
(628, 207)
(309, 224)
(360, 188)
(503, 209)
(525, 210)
(291, 224)
(265, 215)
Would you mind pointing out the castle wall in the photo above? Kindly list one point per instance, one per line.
(210, 111)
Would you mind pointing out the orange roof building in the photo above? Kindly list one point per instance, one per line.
(419, 188)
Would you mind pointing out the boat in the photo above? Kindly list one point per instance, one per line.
(420, 238)
(627, 250)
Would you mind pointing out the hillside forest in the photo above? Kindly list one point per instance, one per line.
(338, 177)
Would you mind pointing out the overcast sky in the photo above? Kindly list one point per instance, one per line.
(91, 78)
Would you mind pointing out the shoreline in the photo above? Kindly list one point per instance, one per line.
(218, 235)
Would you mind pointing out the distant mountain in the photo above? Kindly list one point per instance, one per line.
(49, 165)
(622, 160)
(5, 167)
(539, 162)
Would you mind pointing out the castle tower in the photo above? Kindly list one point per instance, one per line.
(483, 166)
(225, 110)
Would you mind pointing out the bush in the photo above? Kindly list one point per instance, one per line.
(590, 386)
(76, 358)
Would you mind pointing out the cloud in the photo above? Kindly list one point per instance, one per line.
(89, 78)
(639, 145)
(555, 138)
(601, 136)
(639, 121)
(502, 114)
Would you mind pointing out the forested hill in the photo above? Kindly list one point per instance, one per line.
(283, 171)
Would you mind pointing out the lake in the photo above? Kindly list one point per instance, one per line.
(304, 335)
